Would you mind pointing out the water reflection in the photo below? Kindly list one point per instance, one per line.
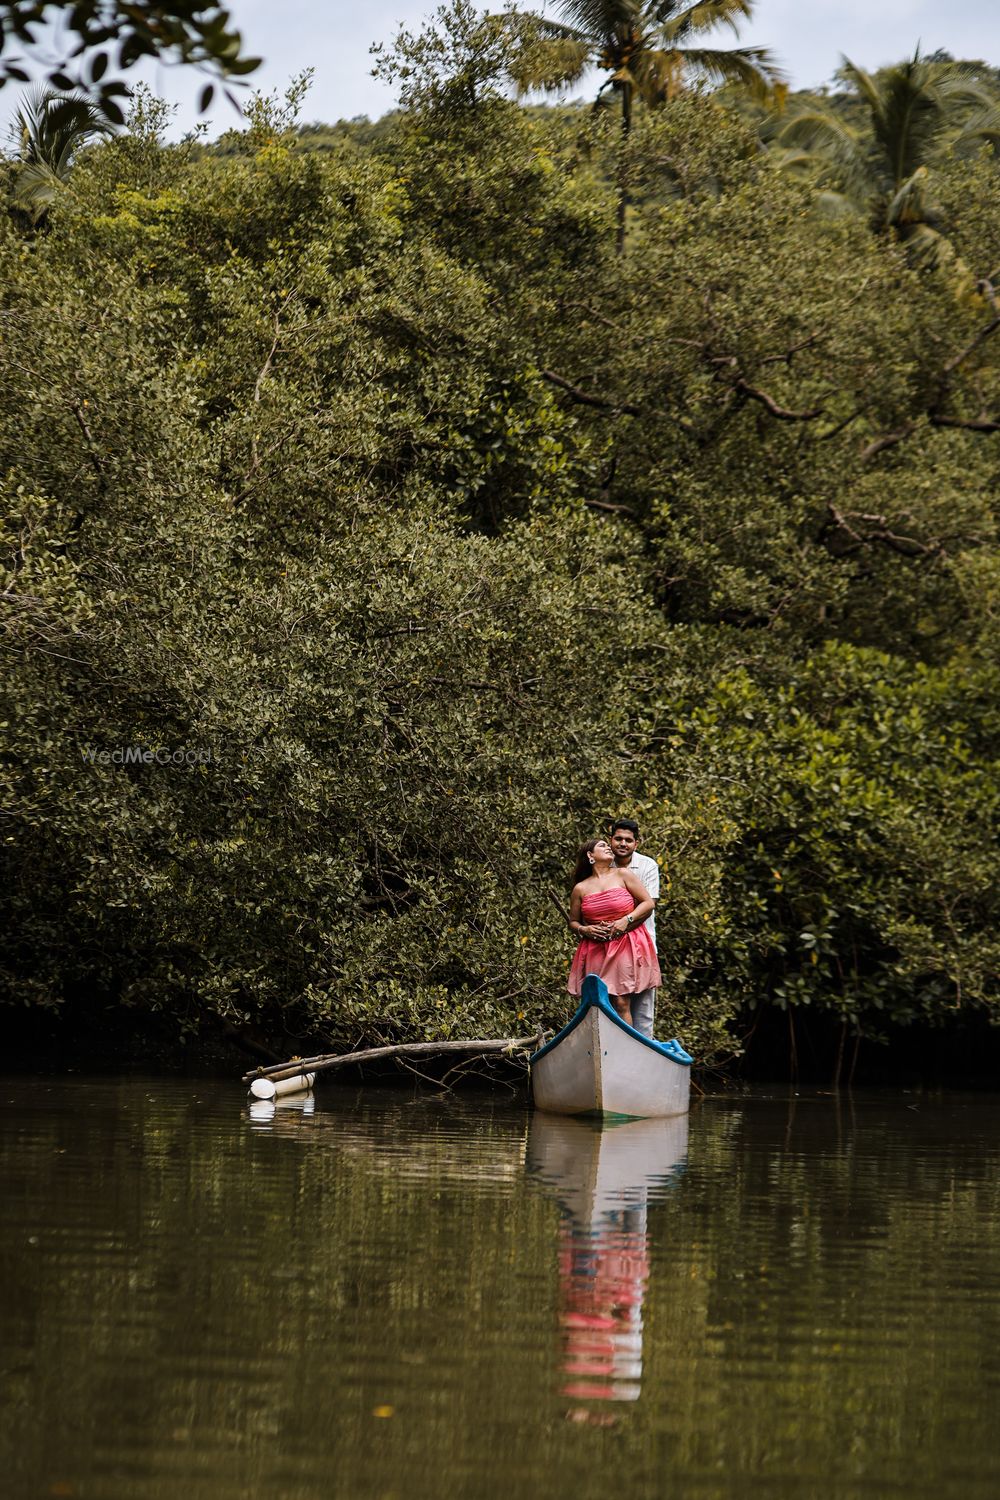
(366, 1302)
(262, 1112)
(604, 1177)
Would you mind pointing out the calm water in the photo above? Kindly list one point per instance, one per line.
(375, 1296)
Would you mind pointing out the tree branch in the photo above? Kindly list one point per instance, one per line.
(906, 546)
(935, 416)
(782, 413)
(592, 313)
(610, 506)
(887, 440)
(788, 355)
(92, 451)
(969, 424)
(601, 403)
(825, 437)
(326, 1060)
(265, 370)
(984, 333)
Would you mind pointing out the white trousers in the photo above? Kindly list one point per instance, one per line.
(643, 1005)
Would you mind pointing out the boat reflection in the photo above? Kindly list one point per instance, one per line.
(604, 1176)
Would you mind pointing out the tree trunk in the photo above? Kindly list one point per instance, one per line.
(623, 167)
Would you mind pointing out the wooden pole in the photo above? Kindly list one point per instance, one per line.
(558, 905)
(325, 1061)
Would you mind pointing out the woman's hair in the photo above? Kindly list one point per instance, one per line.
(584, 869)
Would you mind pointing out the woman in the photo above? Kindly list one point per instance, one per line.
(606, 911)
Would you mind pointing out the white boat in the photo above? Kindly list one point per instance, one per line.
(598, 1064)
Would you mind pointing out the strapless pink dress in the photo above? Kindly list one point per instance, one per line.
(627, 964)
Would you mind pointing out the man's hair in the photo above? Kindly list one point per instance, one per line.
(629, 825)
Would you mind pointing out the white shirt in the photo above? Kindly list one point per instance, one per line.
(648, 872)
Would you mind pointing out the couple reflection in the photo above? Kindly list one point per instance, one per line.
(603, 1177)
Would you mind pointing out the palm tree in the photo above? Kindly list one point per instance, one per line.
(48, 130)
(913, 115)
(648, 48)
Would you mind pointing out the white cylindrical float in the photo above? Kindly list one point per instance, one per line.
(268, 1088)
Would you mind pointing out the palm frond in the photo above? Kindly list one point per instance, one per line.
(642, 43)
(35, 189)
(833, 146)
(49, 127)
(660, 74)
(929, 250)
(807, 166)
(918, 111)
(556, 32)
(678, 21)
(838, 156)
(982, 126)
(863, 82)
(957, 87)
(910, 119)
(753, 68)
(833, 205)
(601, 19)
(818, 130)
(912, 105)
(927, 247)
(910, 206)
(789, 160)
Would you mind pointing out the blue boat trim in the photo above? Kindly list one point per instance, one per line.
(595, 992)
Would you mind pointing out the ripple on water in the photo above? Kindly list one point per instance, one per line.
(373, 1295)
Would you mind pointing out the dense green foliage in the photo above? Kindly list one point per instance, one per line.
(435, 530)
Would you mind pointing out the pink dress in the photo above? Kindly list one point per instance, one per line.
(628, 963)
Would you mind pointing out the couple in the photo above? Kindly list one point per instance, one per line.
(611, 912)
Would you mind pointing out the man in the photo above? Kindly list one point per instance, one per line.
(624, 843)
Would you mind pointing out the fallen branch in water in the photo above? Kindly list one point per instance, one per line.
(325, 1061)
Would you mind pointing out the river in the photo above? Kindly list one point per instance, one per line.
(381, 1295)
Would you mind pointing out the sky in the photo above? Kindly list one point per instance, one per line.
(334, 37)
(808, 37)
